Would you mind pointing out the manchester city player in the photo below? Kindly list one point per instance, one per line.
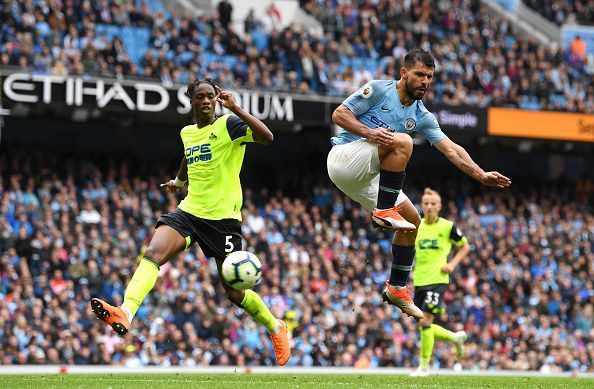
(432, 275)
(209, 215)
(371, 151)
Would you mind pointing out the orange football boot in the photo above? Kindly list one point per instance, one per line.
(280, 341)
(402, 298)
(114, 316)
(392, 219)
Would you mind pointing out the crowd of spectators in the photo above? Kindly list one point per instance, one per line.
(564, 11)
(72, 228)
(481, 60)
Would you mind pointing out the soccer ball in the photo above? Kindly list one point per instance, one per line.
(241, 270)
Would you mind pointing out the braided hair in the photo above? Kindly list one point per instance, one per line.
(194, 84)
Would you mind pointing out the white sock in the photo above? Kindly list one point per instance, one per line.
(277, 327)
(128, 313)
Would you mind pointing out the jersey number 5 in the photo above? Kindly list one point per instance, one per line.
(228, 244)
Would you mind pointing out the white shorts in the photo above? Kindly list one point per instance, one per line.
(354, 168)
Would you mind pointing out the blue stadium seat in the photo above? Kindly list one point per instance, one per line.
(141, 34)
(186, 56)
(384, 61)
(209, 57)
(126, 34)
(260, 40)
(112, 31)
(230, 60)
(184, 77)
(357, 62)
(371, 64)
(204, 42)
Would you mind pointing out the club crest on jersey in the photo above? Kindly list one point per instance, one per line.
(367, 91)
(410, 124)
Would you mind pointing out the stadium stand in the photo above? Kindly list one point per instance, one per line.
(481, 60)
(561, 12)
(73, 227)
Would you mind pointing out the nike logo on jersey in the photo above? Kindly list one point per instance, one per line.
(385, 109)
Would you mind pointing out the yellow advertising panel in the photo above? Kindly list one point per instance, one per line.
(541, 124)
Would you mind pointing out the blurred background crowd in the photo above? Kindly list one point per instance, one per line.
(560, 11)
(481, 60)
(74, 227)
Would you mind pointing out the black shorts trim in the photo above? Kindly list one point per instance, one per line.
(217, 238)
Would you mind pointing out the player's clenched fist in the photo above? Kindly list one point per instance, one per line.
(227, 101)
(381, 136)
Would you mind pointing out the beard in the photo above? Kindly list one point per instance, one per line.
(414, 93)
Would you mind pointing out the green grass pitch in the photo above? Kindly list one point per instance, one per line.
(261, 381)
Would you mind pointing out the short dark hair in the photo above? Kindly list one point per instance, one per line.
(419, 55)
(194, 84)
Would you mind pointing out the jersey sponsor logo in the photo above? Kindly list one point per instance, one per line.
(410, 124)
(367, 91)
(199, 153)
(379, 122)
(429, 244)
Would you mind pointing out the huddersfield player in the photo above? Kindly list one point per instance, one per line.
(371, 151)
(432, 275)
(209, 215)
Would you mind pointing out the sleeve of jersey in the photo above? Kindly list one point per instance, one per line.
(365, 98)
(430, 129)
(457, 237)
(181, 136)
(239, 130)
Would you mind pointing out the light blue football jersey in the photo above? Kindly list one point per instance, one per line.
(377, 104)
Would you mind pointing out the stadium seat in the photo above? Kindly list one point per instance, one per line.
(260, 40)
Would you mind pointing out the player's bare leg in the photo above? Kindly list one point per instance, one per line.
(164, 245)
(403, 218)
(250, 301)
(403, 252)
(393, 158)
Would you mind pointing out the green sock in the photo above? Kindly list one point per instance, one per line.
(427, 341)
(442, 334)
(253, 304)
(142, 282)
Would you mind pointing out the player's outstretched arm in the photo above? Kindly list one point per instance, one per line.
(173, 186)
(260, 131)
(459, 157)
(343, 117)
